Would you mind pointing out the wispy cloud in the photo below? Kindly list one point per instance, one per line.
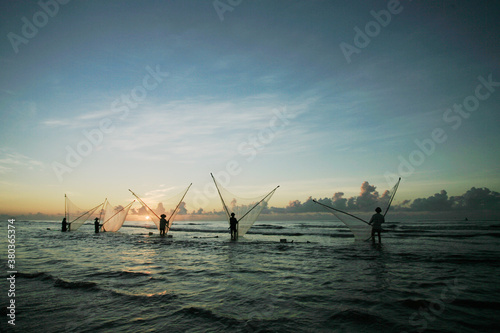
(196, 128)
(83, 120)
(8, 92)
(11, 161)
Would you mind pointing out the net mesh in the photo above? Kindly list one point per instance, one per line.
(76, 216)
(171, 207)
(359, 227)
(246, 210)
(361, 230)
(391, 194)
(114, 217)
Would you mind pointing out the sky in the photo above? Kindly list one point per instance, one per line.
(98, 97)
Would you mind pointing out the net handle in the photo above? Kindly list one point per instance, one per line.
(220, 195)
(179, 203)
(270, 193)
(393, 194)
(341, 211)
(90, 210)
(123, 208)
(143, 203)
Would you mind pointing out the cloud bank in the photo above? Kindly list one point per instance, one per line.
(473, 200)
(369, 198)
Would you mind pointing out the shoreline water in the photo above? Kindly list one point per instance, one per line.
(132, 281)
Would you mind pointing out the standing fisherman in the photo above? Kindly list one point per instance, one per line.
(233, 225)
(163, 224)
(96, 225)
(376, 223)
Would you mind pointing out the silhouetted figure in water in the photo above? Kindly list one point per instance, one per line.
(376, 223)
(233, 225)
(64, 225)
(163, 224)
(96, 225)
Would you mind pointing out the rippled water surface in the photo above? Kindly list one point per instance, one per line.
(433, 276)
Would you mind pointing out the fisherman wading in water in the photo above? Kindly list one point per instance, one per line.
(376, 223)
(163, 224)
(233, 225)
(64, 225)
(97, 225)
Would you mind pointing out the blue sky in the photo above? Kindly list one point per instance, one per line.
(265, 95)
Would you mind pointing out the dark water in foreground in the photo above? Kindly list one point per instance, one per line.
(433, 276)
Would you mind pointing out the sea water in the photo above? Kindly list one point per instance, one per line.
(432, 276)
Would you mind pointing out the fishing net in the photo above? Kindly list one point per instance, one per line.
(76, 216)
(246, 210)
(358, 226)
(114, 217)
(168, 206)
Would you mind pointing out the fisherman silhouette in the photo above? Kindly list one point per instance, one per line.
(163, 224)
(96, 225)
(64, 225)
(233, 225)
(376, 223)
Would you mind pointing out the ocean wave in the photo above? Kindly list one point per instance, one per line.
(275, 234)
(42, 275)
(141, 297)
(118, 274)
(57, 281)
(199, 313)
(207, 230)
(267, 226)
(75, 284)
